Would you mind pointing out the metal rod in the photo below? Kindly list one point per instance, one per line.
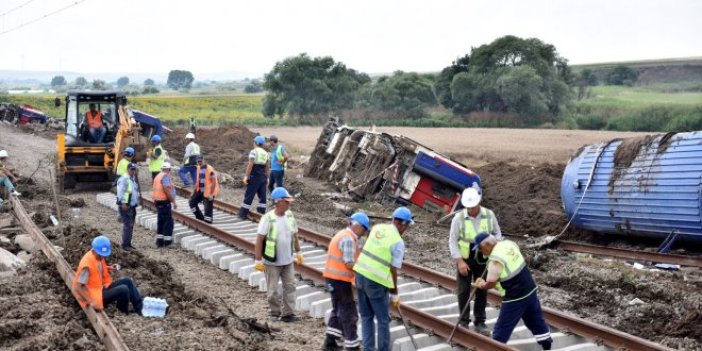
(414, 343)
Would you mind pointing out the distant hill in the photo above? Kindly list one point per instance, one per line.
(44, 77)
(672, 70)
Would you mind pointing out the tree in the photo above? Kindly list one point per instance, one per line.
(303, 86)
(150, 90)
(99, 84)
(253, 87)
(180, 80)
(587, 78)
(402, 95)
(149, 82)
(442, 86)
(122, 81)
(58, 81)
(81, 82)
(622, 75)
(520, 89)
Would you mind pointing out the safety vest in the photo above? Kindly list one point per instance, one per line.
(128, 190)
(272, 235)
(279, 156)
(261, 156)
(211, 185)
(375, 259)
(94, 121)
(158, 191)
(468, 234)
(194, 152)
(515, 281)
(155, 164)
(335, 268)
(122, 167)
(98, 278)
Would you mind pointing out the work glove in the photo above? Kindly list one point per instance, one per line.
(299, 258)
(478, 283)
(259, 265)
(394, 300)
(245, 180)
(211, 199)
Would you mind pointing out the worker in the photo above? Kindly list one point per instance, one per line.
(470, 265)
(193, 126)
(279, 162)
(376, 276)
(128, 194)
(96, 129)
(508, 272)
(192, 151)
(127, 156)
(157, 155)
(7, 176)
(206, 188)
(93, 285)
(255, 178)
(163, 194)
(341, 256)
(275, 242)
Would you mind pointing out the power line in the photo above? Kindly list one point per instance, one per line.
(16, 8)
(43, 17)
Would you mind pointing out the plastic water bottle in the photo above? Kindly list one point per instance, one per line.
(154, 307)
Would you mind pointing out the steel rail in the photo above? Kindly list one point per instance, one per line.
(600, 333)
(463, 336)
(104, 328)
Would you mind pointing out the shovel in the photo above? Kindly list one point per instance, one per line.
(465, 308)
(414, 343)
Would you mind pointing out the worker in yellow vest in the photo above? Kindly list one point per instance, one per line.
(128, 195)
(341, 256)
(470, 265)
(127, 156)
(157, 155)
(275, 242)
(376, 276)
(163, 194)
(255, 178)
(508, 272)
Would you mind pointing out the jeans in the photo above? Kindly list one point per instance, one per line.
(287, 275)
(183, 173)
(528, 310)
(275, 180)
(164, 224)
(97, 135)
(5, 181)
(373, 302)
(257, 186)
(123, 291)
(463, 292)
(128, 217)
(344, 316)
(195, 208)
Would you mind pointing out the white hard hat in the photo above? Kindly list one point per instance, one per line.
(190, 136)
(3, 153)
(166, 165)
(471, 197)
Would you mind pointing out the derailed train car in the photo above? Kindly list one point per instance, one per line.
(371, 165)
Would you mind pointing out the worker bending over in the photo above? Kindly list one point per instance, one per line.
(376, 276)
(156, 156)
(255, 178)
(192, 151)
(508, 272)
(163, 194)
(93, 285)
(206, 188)
(128, 195)
(341, 256)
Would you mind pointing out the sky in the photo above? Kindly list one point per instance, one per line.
(372, 36)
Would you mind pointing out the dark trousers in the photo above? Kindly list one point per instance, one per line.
(128, 217)
(475, 272)
(343, 315)
(123, 291)
(257, 186)
(207, 204)
(153, 175)
(164, 226)
(528, 310)
(275, 180)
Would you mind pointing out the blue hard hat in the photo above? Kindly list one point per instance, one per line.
(403, 214)
(101, 245)
(156, 139)
(280, 193)
(129, 151)
(361, 218)
(132, 166)
(479, 240)
(260, 140)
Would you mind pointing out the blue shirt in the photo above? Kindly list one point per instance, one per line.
(398, 252)
(275, 166)
(202, 177)
(166, 181)
(122, 188)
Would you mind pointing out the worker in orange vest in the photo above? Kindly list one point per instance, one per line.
(95, 127)
(93, 285)
(206, 188)
(163, 194)
(341, 256)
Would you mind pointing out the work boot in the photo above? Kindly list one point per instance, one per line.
(330, 344)
(482, 329)
(289, 318)
(15, 193)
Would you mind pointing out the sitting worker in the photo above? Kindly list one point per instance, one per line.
(93, 285)
(96, 129)
(7, 176)
(206, 188)
(508, 272)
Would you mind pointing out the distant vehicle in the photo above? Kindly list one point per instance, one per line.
(371, 165)
(21, 115)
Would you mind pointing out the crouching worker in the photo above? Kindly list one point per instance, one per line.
(93, 285)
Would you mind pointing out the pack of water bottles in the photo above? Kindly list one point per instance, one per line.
(154, 307)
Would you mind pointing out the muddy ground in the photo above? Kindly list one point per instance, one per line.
(526, 199)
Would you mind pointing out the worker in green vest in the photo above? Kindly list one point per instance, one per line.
(508, 272)
(126, 159)
(156, 156)
(376, 276)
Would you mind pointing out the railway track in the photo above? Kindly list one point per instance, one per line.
(428, 301)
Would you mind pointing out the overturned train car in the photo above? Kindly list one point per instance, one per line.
(371, 165)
